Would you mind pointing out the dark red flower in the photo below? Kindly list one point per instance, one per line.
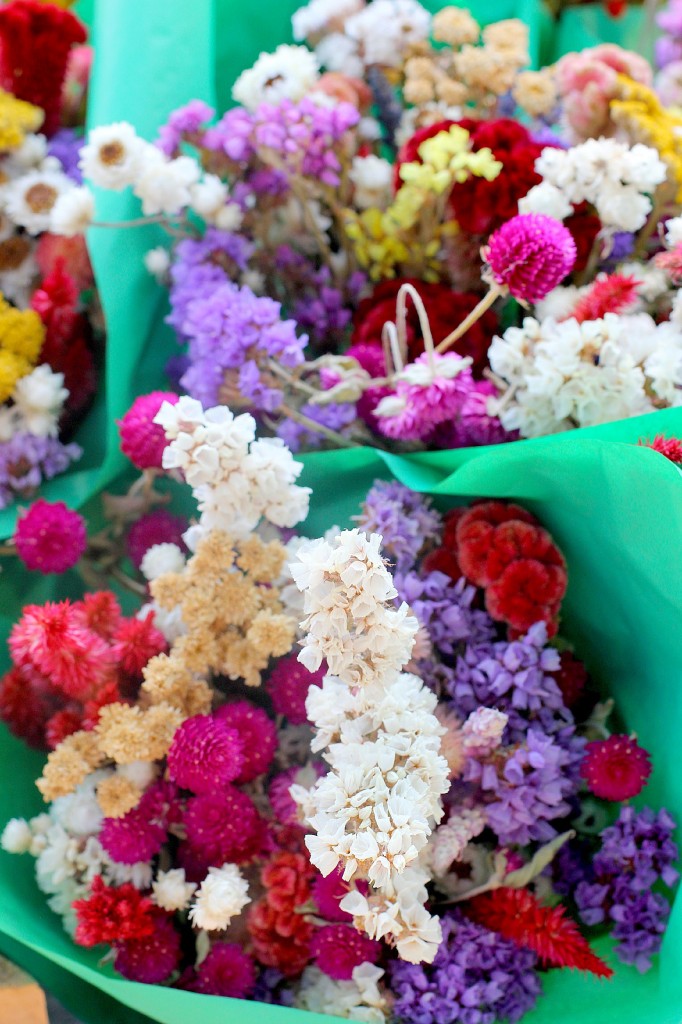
(584, 227)
(280, 935)
(135, 642)
(571, 678)
(21, 706)
(442, 560)
(151, 959)
(62, 724)
(474, 531)
(112, 914)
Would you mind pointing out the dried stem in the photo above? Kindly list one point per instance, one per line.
(476, 313)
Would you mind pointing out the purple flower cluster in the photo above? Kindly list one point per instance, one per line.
(27, 460)
(668, 47)
(232, 332)
(326, 310)
(301, 136)
(335, 417)
(445, 609)
(477, 977)
(65, 145)
(189, 118)
(406, 521)
(202, 265)
(637, 852)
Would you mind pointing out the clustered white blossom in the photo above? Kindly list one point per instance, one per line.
(616, 178)
(37, 403)
(160, 559)
(564, 375)
(221, 896)
(290, 73)
(375, 810)
(360, 999)
(236, 479)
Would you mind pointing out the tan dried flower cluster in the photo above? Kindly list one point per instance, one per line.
(536, 92)
(117, 795)
(69, 764)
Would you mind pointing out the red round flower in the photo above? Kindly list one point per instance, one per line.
(50, 537)
(616, 768)
(257, 734)
(100, 612)
(338, 949)
(474, 531)
(522, 595)
(571, 678)
(151, 959)
(142, 440)
(280, 936)
(62, 724)
(22, 709)
(670, 447)
(113, 914)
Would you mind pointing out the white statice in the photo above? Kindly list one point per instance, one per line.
(386, 30)
(161, 558)
(565, 375)
(229, 217)
(372, 177)
(221, 896)
(287, 74)
(618, 179)
(236, 480)
(560, 302)
(31, 198)
(320, 17)
(547, 199)
(157, 262)
(165, 186)
(39, 399)
(113, 156)
(168, 622)
(209, 196)
(17, 836)
(171, 891)
(360, 999)
(73, 212)
(676, 310)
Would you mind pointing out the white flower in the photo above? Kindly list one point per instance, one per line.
(319, 15)
(652, 281)
(449, 841)
(559, 303)
(139, 875)
(336, 52)
(255, 280)
(157, 262)
(30, 199)
(113, 156)
(161, 558)
(385, 29)
(39, 399)
(288, 73)
(164, 185)
(17, 282)
(79, 812)
(229, 217)
(31, 152)
(209, 196)
(16, 836)
(221, 896)
(73, 212)
(359, 999)
(171, 890)
(673, 232)
(141, 773)
(372, 177)
(548, 199)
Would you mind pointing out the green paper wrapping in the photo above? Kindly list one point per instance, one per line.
(616, 512)
(587, 25)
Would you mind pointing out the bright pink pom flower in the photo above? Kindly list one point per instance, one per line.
(153, 958)
(50, 537)
(224, 826)
(670, 447)
(142, 440)
(157, 527)
(131, 839)
(328, 891)
(226, 971)
(288, 687)
(205, 754)
(530, 254)
(616, 768)
(257, 734)
(338, 949)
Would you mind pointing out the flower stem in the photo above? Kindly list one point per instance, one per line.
(475, 314)
(137, 222)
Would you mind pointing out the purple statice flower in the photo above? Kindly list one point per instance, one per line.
(514, 676)
(667, 50)
(571, 867)
(474, 426)
(65, 145)
(27, 460)
(640, 845)
(325, 310)
(477, 977)
(640, 922)
(233, 332)
(233, 135)
(528, 790)
(189, 118)
(407, 521)
(200, 265)
(334, 416)
(622, 245)
(445, 609)
(544, 135)
(175, 367)
(670, 19)
(303, 135)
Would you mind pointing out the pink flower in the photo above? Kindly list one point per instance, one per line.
(530, 255)
(157, 527)
(328, 891)
(153, 958)
(226, 971)
(257, 735)
(205, 754)
(616, 768)
(50, 537)
(339, 949)
(142, 440)
(283, 804)
(288, 687)
(224, 826)
(139, 834)
(135, 642)
(425, 397)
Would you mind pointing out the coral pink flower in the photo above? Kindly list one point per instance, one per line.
(616, 768)
(670, 447)
(135, 642)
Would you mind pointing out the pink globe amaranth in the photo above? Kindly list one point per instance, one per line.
(616, 768)
(530, 255)
(257, 734)
(152, 959)
(223, 827)
(338, 949)
(288, 686)
(205, 754)
(226, 971)
(142, 440)
(157, 527)
(50, 537)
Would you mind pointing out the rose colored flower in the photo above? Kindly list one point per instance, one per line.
(571, 678)
(224, 826)
(616, 768)
(670, 447)
(473, 534)
(72, 253)
(156, 527)
(345, 89)
(610, 293)
(226, 971)
(131, 838)
(328, 891)
(50, 537)
(584, 227)
(205, 754)
(288, 686)
(99, 611)
(338, 949)
(257, 735)
(530, 255)
(154, 957)
(135, 642)
(62, 724)
(113, 914)
(142, 440)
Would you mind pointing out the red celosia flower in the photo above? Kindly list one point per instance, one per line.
(257, 736)
(156, 527)
(62, 724)
(108, 693)
(338, 949)
(142, 440)
(670, 447)
(521, 598)
(584, 227)
(35, 40)
(287, 877)
(610, 293)
(224, 826)
(21, 706)
(205, 754)
(135, 642)
(113, 914)
(530, 255)
(442, 560)
(616, 768)
(518, 915)
(151, 959)
(99, 611)
(55, 302)
(50, 537)
(288, 686)
(281, 936)
(226, 971)
(474, 531)
(72, 253)
(571, 678)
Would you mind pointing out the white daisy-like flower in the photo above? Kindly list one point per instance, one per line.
(161, 558)
(30, 153)
(172, 891)
(673, 232)
(113, 156)
(548, 199)
(17, 836)
(157, 262)
(30, 199)
(287, 74)
(73, 212)
(164, 185)
(222, 895)
(359, 999)
(229, 217)
(39, 399)
(169, 623)
(18, 268)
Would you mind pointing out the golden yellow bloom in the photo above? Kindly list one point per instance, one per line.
(21, 338)
(16, 119)
(639, 111)
(128, 733)
(117, 795)
(168, 681)
(510, 35)
(375, 244)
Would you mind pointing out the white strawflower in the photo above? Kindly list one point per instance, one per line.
(548, 199)
(673, 232)
(386, 29)
(289, 73)
(30, 199)
(140, 773)
(319, 16)
(113, 156)
(79, 812)
(208, 196)
(164, 185)
(372, 177)
(161, 558)
(652, 281)
(336, 52)
(157, 262)
(31, 153)
(73, 212)
(16, 836)
(255, 280)
(39, 399)
(167, 622)
(17, 283)
(221, 896)
(172, 891)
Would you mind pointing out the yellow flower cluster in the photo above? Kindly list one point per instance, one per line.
(21, 338)
(639, 111)
(384, 241)
(16, 119)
